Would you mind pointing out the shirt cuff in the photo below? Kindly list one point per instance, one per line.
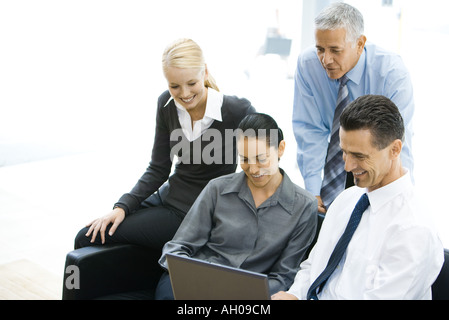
(122, 206)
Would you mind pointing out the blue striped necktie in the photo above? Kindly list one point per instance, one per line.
(340, 248)
(334, 170)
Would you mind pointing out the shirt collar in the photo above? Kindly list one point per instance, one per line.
(379, 197)
(355, 74)
(284, 195)
(213, 104)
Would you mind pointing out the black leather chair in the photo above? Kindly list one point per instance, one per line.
(318, 227)
(111, 269)
(440, 288)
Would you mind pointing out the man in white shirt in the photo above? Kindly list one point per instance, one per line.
(395, 252)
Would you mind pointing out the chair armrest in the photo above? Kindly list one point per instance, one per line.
(110, 269)
(440, 288)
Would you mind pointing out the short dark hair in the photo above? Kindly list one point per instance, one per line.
(378, 114)
(258, 124)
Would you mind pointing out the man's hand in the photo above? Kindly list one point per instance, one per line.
(321, 207)
(281, 295)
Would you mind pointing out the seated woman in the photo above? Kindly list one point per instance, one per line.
(256, 219)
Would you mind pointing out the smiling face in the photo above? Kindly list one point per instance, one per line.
(259, 161)
(186, 86)
(372, 168)
(337, 55)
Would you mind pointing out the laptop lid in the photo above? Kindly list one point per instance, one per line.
(194, 279)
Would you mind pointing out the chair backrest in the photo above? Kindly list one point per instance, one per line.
(318, 228)
(440, 288)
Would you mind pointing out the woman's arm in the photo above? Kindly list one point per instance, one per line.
(194, 231)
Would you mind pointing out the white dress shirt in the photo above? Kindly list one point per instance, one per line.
(213, 112)
(395, 253)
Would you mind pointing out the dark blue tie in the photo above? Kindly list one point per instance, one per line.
(339, 249)
(334, 169)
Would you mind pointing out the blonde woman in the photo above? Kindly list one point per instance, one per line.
(189, 113)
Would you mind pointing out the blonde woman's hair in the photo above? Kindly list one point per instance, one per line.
(186, 54)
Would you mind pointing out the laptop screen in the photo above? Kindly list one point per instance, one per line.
(194, 279)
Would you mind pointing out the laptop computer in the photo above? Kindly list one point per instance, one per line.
(194, 279)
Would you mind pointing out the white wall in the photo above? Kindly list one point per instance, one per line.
(86, 74)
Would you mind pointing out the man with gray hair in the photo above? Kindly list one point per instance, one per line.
(339, 69)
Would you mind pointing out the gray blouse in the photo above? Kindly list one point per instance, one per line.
(224, 226)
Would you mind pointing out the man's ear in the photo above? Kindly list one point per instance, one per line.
(396, 148)
(361, 44)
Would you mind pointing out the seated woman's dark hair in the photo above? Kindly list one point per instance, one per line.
(261, 125)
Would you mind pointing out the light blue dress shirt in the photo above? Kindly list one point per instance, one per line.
(377, 72)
